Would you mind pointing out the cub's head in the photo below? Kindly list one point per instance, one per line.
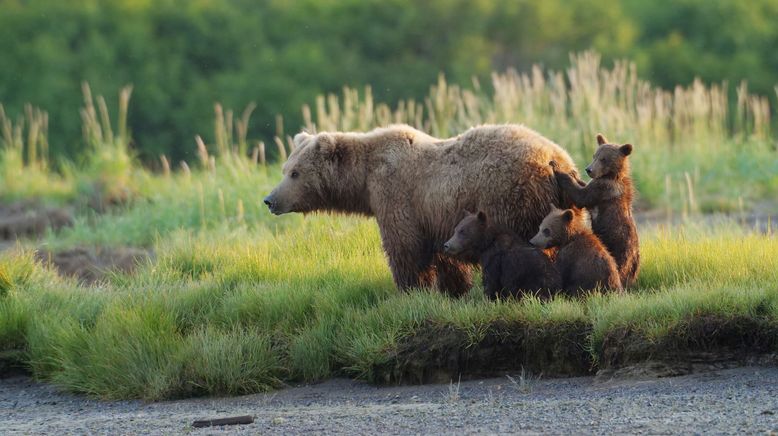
(310, 175)
(468, 236)
(610, 160)
(556, 228)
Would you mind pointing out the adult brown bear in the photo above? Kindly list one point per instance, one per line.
(417, 186)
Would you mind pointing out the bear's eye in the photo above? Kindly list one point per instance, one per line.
(294, 174)
(602, 160)
(547, 232)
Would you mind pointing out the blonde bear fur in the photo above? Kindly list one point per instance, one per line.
(417, 186)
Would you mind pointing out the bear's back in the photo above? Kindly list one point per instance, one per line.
(490, 135)
(513, 143)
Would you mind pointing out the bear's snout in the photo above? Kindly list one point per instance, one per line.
(589, 171)
(270, 202)
(452, 247)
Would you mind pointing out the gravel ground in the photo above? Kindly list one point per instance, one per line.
(728, 401)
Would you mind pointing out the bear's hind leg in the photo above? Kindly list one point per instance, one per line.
(410, 263)
(453, 277)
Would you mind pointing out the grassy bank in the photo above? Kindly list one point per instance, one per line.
(236, 311)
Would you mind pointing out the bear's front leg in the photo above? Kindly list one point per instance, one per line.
(579, 195)
(492, 277)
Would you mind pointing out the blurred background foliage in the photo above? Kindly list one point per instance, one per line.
(183, 55)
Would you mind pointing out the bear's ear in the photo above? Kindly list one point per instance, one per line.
(481, 216)
(601, 139)
(300, 138)
(626, 149)
(567, 215)
(326, 145)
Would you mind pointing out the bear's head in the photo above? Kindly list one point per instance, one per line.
(469, 236)
(317, 176)
(610, 160)
(556, 228)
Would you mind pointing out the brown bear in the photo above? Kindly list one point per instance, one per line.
(608, 197)
(510, 265)
(582, 260)
(415, 186)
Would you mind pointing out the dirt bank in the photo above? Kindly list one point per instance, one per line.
(30, 219)
(90, 265)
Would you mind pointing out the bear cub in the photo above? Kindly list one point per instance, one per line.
(582, 260)
(510, 266)
(608, 198)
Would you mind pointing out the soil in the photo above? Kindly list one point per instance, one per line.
(741, 400)
(31, 219)
(91, 265)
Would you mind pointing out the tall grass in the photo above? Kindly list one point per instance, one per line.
(25, 168)
(697, 149)
(693, 144)
(692, 156)
(107, 174)
(573, 106)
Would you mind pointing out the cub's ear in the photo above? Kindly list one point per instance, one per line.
(481, 216)
(567, 215)
(626, 149)
(601, 139)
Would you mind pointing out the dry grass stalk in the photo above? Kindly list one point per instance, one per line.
(281, 148)
(165, 165)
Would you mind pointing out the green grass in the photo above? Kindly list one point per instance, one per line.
(228, 197)
(236, 309)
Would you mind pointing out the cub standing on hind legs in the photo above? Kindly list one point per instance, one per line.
(608, 198)
(510, 265)
(582, 260)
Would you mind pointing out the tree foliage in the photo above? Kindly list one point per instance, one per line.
(184, 55)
